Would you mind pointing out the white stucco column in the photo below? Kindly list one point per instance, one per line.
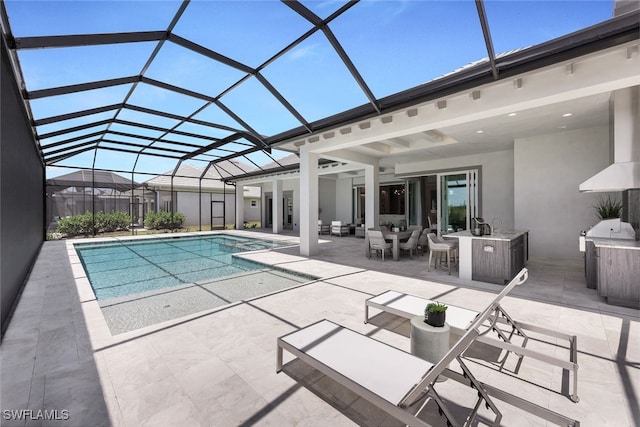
(371, 195)
(276, 204)
(239, 206)
(308, 202)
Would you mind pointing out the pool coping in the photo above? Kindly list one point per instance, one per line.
(99, 332)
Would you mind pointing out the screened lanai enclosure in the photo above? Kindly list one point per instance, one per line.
(204, 198)
(142, 88)
(94, 191)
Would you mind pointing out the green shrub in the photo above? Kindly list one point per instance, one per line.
(150, 219)
(84, 224)
(109, 222)
(163, 220)
(70, 226)
(121, 220)
(76, 225)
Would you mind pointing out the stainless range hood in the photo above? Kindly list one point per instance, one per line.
(617, 177)
(624, 173)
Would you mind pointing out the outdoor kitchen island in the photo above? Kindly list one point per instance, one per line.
(493, 258)
(613, 268)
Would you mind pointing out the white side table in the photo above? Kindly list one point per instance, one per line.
(428, 342)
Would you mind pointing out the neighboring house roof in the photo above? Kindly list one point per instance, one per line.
(85, 178)
(473, 64)
(287, 163)
(291, 159)
(187, 177)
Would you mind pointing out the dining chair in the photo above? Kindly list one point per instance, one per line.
(377, 242)
(423, 242)
(410, 245)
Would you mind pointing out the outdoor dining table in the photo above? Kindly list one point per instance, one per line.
(394, 236)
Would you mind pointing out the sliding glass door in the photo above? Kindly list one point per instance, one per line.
(458, 196)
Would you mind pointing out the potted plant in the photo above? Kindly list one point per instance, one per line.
(435, 314)
(608, 208)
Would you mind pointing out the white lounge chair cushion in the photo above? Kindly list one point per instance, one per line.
(457, 317)
(384, 370)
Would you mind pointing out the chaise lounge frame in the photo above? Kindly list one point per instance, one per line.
(459, 319)
(353, 360)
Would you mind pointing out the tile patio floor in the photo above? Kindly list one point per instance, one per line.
(218, 368)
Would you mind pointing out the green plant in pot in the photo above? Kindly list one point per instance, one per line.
(435, 314)
(608, 208)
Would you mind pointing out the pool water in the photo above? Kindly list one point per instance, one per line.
(142, 282)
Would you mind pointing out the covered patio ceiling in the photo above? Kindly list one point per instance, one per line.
(144, 86)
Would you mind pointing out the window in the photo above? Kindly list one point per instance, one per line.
(392, 199)
(254, 203)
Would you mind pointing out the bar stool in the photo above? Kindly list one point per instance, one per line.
(440, 247)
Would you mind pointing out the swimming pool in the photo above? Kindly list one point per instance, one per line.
(142, 282)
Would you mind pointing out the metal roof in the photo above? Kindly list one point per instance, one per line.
(194, 177)
(87, 178)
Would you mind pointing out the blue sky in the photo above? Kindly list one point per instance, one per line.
(395, 45)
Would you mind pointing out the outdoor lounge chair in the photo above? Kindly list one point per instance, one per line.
(339, 228)
(459, 320)
(390, 378)
(323, 228)
(394, 380)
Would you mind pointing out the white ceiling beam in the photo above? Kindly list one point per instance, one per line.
(335, 168)
(349, 156)
(398, 143)
(378, 147)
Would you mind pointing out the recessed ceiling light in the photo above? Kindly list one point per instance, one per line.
(479, 131)
(567, 115)
(512, 114)
(562, 127)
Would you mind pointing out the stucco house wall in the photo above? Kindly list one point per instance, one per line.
(187, 203)
(251, 209)
(327, 200)
(343, 200)
(548, 170)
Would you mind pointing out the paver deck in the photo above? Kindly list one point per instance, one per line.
(217, 368)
